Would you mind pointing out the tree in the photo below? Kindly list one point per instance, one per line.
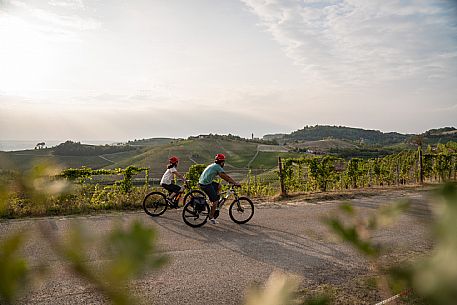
(40, 145)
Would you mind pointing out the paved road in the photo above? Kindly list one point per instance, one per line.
(216, 263)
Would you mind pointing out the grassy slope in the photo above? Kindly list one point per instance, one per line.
(269, 160)
(239, 153)
(324, 145)
(24, 160)
(192, 151)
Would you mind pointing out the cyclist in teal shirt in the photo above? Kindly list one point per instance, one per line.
(212, 188)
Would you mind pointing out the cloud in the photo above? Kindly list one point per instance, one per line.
(74, 4)
(446, 110)
(358, 41)
(53, 19)
(20, 119)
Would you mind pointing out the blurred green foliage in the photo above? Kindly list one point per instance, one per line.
(359, 230)
(434, 278)
(14, 268)
(130, 251)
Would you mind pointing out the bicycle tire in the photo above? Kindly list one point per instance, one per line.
(155, 204)
(193, 193)
(192, 216)
(242, 206)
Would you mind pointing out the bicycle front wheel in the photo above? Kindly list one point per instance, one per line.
(195, 212)
(155, 204)
(241, 210)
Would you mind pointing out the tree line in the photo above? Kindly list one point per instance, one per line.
(70, 148)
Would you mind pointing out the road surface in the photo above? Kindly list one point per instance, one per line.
(215, 264)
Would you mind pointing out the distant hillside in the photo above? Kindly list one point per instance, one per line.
(361, 136)
(315, 133)
(67, 154)
(150, 142)
(201, 149)
(70, 148)
(440, 135)
(241, 153)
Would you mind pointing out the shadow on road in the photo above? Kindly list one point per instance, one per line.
(280, 249)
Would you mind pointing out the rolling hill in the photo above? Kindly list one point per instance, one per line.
(320, 132)
(202, 149)
(241, 153)
(323, 137)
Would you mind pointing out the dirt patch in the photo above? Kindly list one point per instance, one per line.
(315, 197)
(362, 289)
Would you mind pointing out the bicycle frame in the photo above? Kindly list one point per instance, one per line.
(186, 189)
(224, 198)
(236, 210)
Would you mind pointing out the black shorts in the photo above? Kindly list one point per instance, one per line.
(211, 191)
(172, 188)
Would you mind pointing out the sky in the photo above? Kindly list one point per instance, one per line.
(122, 70)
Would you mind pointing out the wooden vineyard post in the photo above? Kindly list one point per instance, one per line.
(146, 178)
(281, 177)
(249, 182)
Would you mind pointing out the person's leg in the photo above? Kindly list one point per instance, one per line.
(175, 189)
(213, 209)
(214, 201)
(217, 187)
(168, 188)
(211, 191)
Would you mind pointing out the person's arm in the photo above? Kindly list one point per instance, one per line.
(179, 175)
(228, 179)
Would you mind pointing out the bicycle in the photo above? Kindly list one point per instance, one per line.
(195, 212)
(156, 202)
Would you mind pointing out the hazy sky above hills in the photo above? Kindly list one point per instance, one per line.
(118, 70)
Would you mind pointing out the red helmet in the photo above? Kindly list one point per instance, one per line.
(219, 157)
(173, 159)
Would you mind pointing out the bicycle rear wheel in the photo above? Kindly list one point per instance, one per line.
(155, 204)
(195, 212)
(241, 210)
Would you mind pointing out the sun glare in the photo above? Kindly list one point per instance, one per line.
(27, 57)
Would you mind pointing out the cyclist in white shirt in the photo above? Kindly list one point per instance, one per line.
(167, 181)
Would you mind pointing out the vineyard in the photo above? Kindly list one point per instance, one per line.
(120, 189)
(329, 173)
